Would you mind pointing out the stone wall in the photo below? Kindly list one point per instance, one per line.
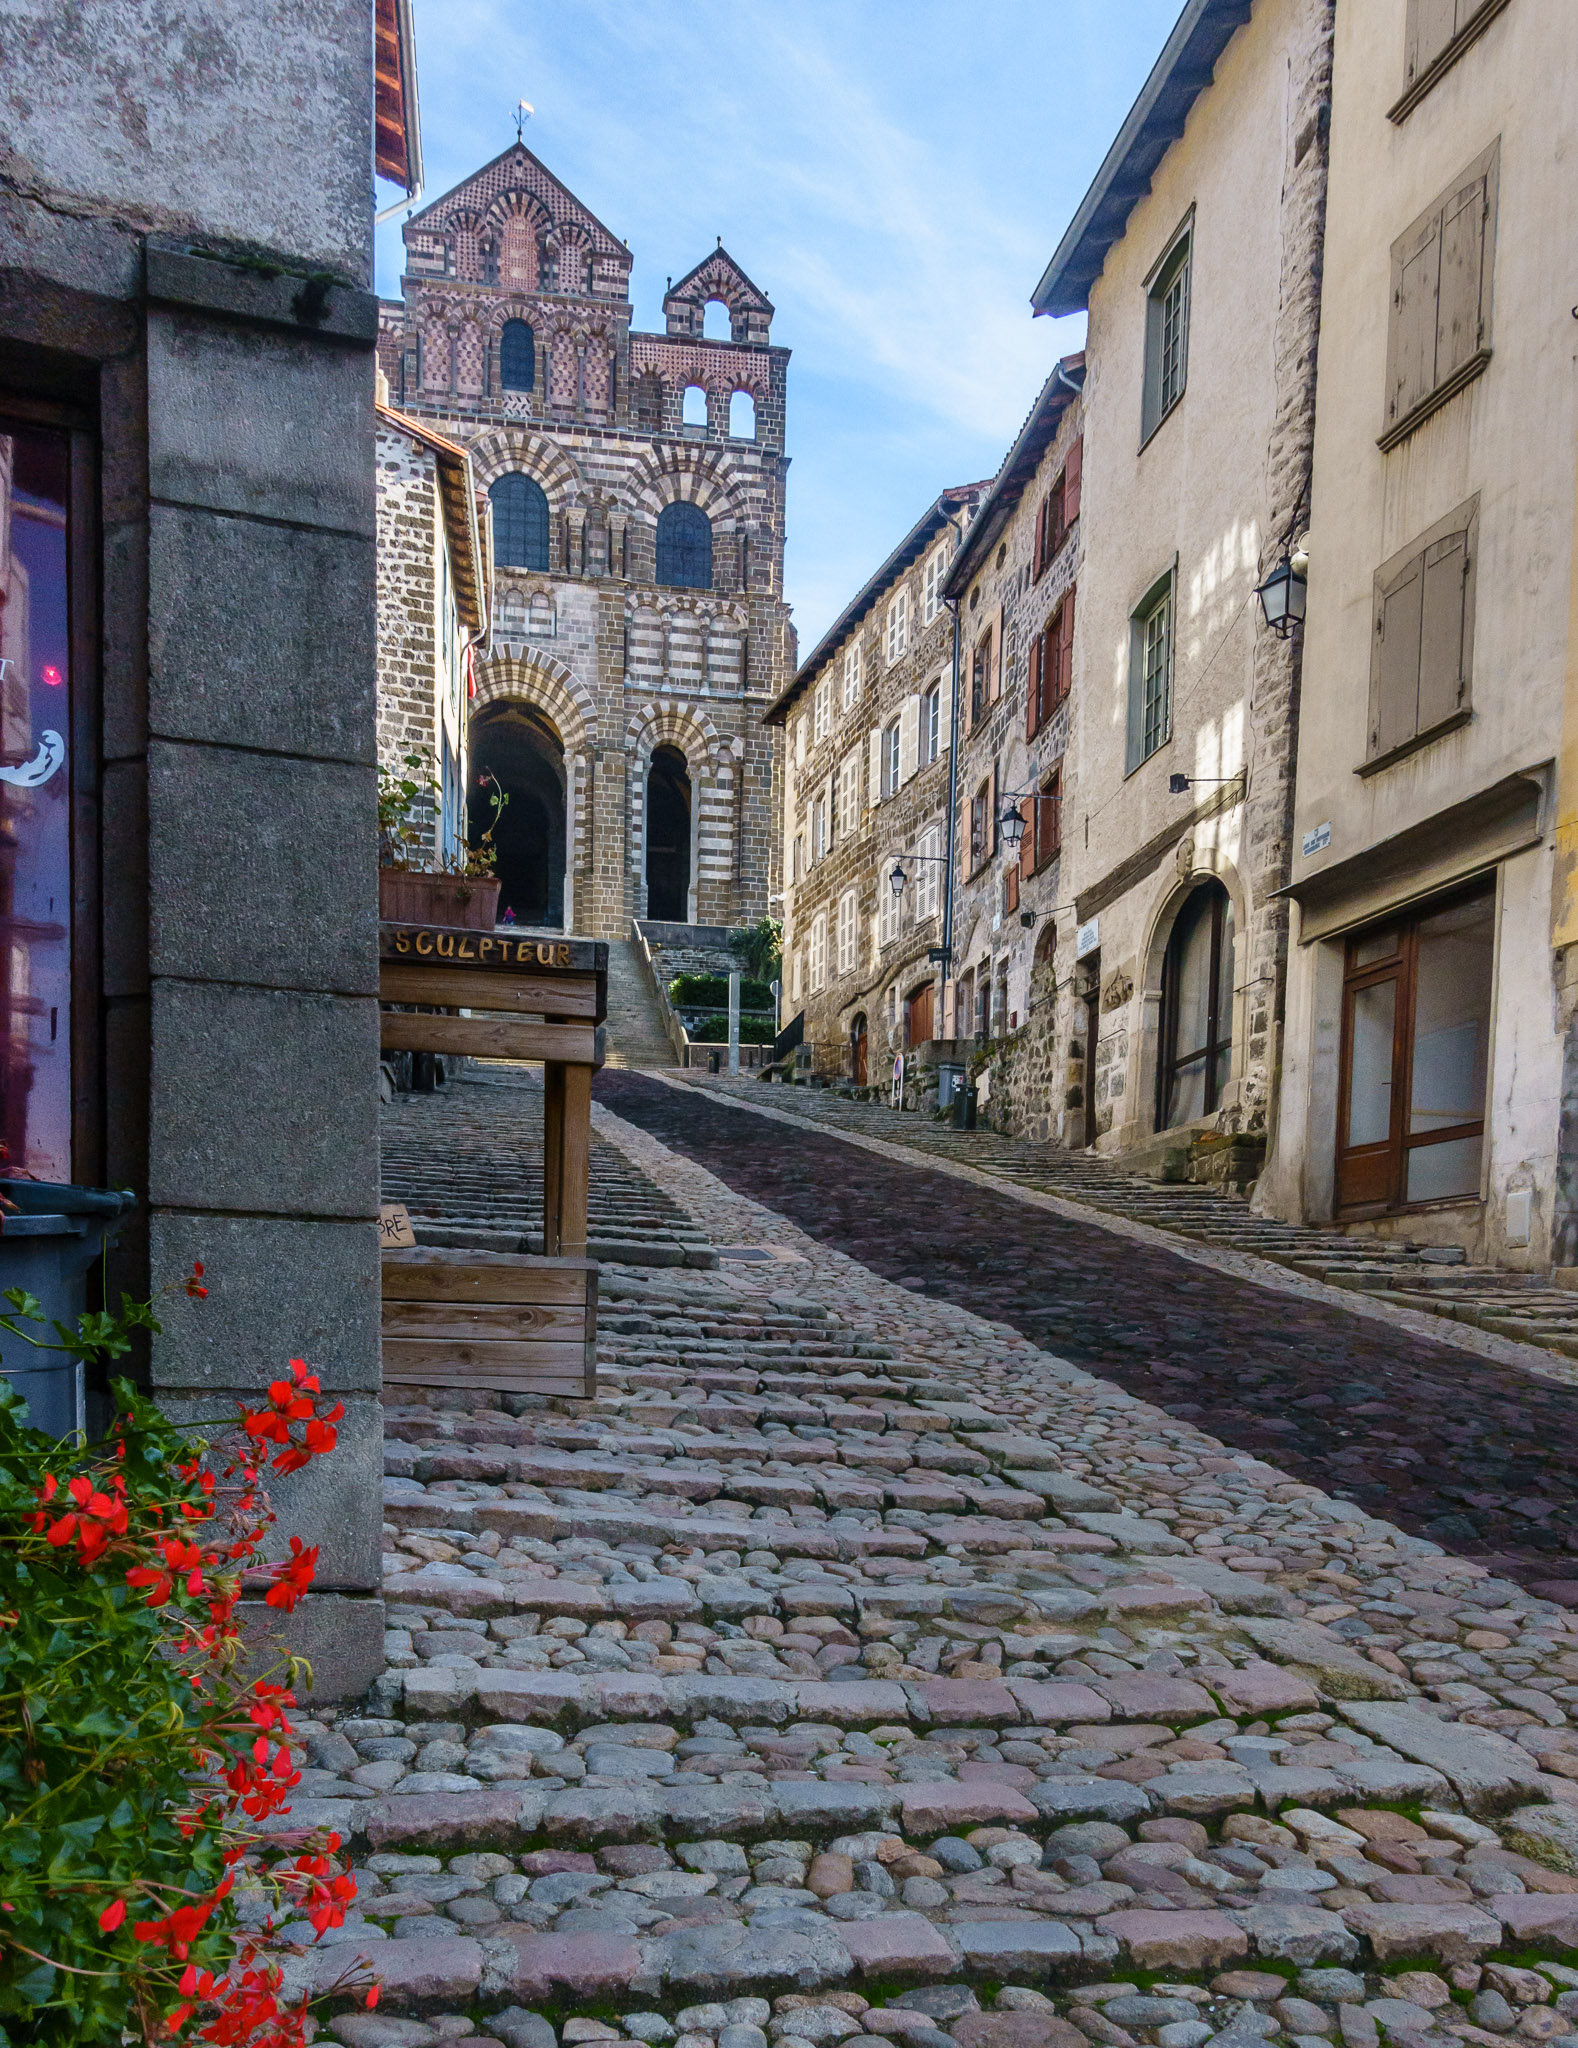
(408, 542)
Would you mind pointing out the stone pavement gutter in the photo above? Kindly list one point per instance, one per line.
(838, 1677)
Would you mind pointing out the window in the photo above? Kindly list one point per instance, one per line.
(1051, 673)
(981, 678)
(848, 787)
(822, 709)
(801, 735)
(890, 916)
(848, 925)
(1439, 335)
(931, 725)
(1439, 31)
(1166, 334)
(1059, 510)
(684, 547)
(1422, 652)
(517, 357)
(890, 759)
(799, 857)
(818, 829)
(1151, 672)
(520, 522)
(818, 965)
(851, 676)
(980, 825)
(693, 411)
(928, 873)
(38, 542)
(1043, 815)
(1197, 1008)
(797, 982)
(1415, 1042)
(898, 626)
(742, 417)
(931, 585)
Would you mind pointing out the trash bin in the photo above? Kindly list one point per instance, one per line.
(46, 1247)
(950, 1079)
(964, 1102)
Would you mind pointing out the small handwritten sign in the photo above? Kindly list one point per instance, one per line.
(394, 1227)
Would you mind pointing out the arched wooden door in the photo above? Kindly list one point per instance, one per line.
(857, 1050)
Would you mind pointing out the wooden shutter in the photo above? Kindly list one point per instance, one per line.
(999, 647)
(1416, 295)
(1443, 679)
(909, 738)
(1051, 809)
(1065, 652)
(1011, 887)
(874, 769)
(1459, 326)
(1039, 558)
(1033, 686)
(945, 709)
(1071, 471)
(1394, 675)
(1431, 26)
(1029, 810)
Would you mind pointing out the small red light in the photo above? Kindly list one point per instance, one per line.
(53, 677)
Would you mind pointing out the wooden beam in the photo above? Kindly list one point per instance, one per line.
(517, 1321)
(481, 988)
(425, 1273)
(446, 1357)
(489, 1038)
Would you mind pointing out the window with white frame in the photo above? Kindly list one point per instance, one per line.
(890, 759)
(931, 585)
(818, 965)
(818, 828)
(800, 737)
(822, 709)
(852, 676)
(891, 916)
(849, 796)
(898, 626)
(848, 924)
(931, 725)
(928, 873)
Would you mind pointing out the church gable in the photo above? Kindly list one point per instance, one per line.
(511, 223)
(718, 277)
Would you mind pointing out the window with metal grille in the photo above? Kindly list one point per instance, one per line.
(517, 357)
(684, 547)
(520, 522)
(1167, 333)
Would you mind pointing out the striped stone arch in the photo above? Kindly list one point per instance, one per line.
(694, 472)
(519, 447)
(710, 759)
(549, 686)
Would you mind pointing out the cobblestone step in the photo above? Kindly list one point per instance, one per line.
(866, 1673)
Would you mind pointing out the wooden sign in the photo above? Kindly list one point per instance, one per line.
(502, 1321)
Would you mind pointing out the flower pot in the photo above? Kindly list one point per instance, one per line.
(408, 897)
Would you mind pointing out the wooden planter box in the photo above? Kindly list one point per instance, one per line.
(500, 1321)
(406, 896)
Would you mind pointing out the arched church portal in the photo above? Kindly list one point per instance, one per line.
(516, 744)
(668, 837)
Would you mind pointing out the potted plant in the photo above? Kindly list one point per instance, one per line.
(463, 892)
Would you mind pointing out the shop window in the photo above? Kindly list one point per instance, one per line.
(35, 803)
(1197, 1008)
(1415, 1046)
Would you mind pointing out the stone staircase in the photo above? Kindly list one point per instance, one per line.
(1434, 1278)
(635, 1033)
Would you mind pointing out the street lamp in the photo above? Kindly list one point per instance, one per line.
(1283, 593)
(1012, 826)
(897, 880)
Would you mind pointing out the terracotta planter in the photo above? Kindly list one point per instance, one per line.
(470, 901)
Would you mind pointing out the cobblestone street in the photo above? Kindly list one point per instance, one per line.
(1363, 1408)
(856, 1670)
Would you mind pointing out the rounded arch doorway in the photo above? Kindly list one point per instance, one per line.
(1197, 1008)
(668, 837)
(516, 746)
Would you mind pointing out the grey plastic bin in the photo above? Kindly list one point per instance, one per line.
(47, 1247)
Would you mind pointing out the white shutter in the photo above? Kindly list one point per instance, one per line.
(874, 770)
(945, 709)
(909, 738)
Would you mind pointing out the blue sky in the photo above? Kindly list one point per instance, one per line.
(894, 174)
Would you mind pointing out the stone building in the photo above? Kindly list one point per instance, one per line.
(187, 343)
(869, 726)
(1431, 1054)
(637, 492)
(432, 618)
(1015, 583)
(1197, 255)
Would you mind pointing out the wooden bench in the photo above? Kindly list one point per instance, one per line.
(497, 1321)
(540, 999)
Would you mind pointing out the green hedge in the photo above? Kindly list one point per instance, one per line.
(690, 991)
(715, 1031)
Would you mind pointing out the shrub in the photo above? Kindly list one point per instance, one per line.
(760, 946)
(715, 1031)
(695, 991)
(138, 1765)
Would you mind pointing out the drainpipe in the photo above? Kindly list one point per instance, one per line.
(1564, 948)
(946, 948)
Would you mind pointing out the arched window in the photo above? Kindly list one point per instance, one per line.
(520, 522)
(715, 322)
(695, 410)
(517, 357)
(684, 547)
(1197, 1008)
(742, 417)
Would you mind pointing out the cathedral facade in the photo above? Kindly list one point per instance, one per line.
(636, 487)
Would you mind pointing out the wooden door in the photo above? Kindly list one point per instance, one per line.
(1092, 1032)
(857, 1049)
(917, 1017)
